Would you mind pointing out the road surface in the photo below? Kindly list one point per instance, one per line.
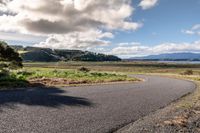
(86, 109)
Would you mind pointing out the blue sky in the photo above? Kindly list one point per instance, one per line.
(164, 23)
(125, 27)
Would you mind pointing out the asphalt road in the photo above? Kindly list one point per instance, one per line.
(87, 109)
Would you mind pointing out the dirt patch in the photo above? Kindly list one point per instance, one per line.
(68, 82)
(177, 121)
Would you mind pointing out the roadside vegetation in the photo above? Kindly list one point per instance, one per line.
(191, 71)
(9, 61)
(62, 77)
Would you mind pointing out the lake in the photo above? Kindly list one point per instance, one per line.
(180, 62)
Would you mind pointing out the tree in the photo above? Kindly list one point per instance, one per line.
(9, 58)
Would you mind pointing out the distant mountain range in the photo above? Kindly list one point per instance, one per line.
(171, 57)
(35, 54)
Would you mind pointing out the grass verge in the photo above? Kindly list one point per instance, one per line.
(59, 77)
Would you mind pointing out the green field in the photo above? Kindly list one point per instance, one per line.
(41, 74)
(190, 71)
(69, 73)
(22, 51)
(124, 67)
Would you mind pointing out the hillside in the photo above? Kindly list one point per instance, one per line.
(36, 54)
(171, 57)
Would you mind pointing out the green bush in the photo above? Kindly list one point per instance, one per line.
(188, 72)
(24, 73)
(84, 69)
(4, 73)
(13, 79)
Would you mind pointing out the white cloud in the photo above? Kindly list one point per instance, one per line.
(65, 16)
(147, 4)
(77, 24)
(196, 27)
(195, 30)
(129, 44)
(141, 50)
(77, 40)
(20, 37)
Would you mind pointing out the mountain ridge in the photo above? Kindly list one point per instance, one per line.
(171, 56)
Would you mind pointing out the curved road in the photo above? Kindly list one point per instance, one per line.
(87, 109)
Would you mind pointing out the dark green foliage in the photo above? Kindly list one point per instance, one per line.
(89, 56)
(9, 57)
(78, 55)
(24, 73)
(84, 69)
(8, 79)
(4, 73)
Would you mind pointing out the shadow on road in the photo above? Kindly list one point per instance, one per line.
(45, 96)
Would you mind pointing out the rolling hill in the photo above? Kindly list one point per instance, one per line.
(35, 54)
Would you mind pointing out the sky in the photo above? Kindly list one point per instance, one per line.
(126, 28)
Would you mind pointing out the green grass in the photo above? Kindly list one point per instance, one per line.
(12, 80)
(100, 71)
(22, 52)
(121, 67)
(74, 75)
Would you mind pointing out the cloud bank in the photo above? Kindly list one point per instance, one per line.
(67, 21)
(142, 50)
(77, 40)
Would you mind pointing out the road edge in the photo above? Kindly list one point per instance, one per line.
(151, 122)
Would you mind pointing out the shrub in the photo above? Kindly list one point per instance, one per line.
(11, 79)
(4, 73)
(24, 73)
(188, 72)
(84, 69)
(9, 57)
(55, 71)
